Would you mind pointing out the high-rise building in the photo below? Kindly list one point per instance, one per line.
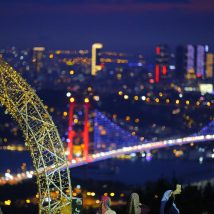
(95, 58)
(161, 62)
(200, 61)
(191, 61)
(38, 55)
(209, 65)
(181, 62)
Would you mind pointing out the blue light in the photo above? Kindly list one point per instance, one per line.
(135, 64)
(109, 136)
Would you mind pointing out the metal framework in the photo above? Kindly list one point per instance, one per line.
(41, 137)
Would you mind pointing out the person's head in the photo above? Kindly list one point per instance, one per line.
(177, 190)
(135, 197)
(105, 202)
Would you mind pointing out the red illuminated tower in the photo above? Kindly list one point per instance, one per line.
(72, 133)
(86, 130)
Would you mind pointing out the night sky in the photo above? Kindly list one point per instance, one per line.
(125, 25)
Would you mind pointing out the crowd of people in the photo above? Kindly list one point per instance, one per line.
(134, 206)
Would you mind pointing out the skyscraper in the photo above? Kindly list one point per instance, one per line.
(38, 55)
(95, 58)
(161, 62)
(181, 62)
(209, 65)
(200, 61)
(191, 61)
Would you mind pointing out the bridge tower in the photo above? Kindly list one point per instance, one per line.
(86, 130)
(72, 133)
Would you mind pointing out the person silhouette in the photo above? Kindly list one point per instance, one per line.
(134, 204)
(168, 205)
(105, 206)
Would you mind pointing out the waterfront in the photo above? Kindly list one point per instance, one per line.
(139, 170)
(122, 91)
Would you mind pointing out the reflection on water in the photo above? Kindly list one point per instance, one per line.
(135, 171)
(139, 172)
(13, 160)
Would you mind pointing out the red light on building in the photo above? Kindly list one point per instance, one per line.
(157, 73)
(164, 70)
(151, 81)
(158, 50)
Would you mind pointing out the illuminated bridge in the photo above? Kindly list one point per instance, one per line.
(110, 141)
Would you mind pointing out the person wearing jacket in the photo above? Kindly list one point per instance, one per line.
(168, 205)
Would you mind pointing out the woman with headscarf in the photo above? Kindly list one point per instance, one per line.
(134, 204)
(105, 206)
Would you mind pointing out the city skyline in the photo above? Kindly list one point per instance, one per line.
(133, 26)
(107, 98)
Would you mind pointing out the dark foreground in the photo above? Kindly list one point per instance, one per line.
(193, 199)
